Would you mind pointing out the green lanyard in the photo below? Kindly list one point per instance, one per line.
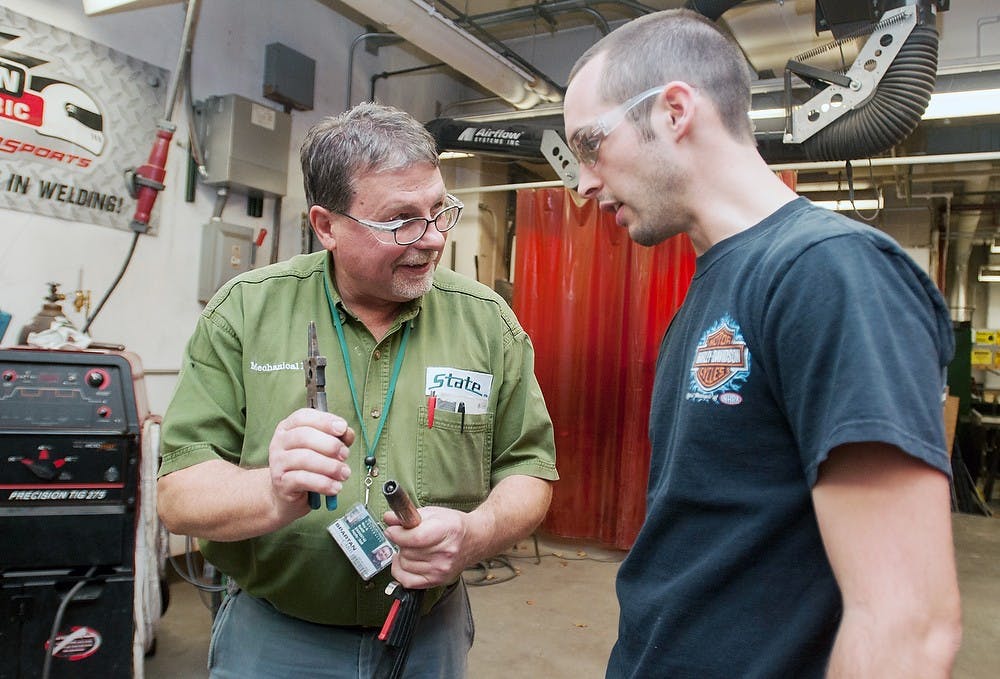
(369, 447)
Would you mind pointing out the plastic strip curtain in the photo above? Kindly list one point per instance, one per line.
(596, 306)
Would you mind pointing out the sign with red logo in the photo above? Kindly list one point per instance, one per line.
(74, 115)
(76, 644)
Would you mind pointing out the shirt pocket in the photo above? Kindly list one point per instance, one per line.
(453, 459)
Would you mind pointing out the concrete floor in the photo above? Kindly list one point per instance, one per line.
(558, 619)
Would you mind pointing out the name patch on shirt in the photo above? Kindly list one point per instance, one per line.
(274, 367)
(453, 386)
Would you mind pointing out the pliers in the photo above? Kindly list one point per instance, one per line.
(315, 367)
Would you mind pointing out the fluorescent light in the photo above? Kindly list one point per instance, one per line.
(454, 155)
(767, 113)
(963, 104)
(816, 187)
(989, 274)
(91, 7)
(504, 116)
(942, 105)
(847, 205)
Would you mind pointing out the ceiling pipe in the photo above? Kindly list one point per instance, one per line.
(599, 20)
(548, 10)
(350, 59)
(426, 28)
(937, 258)
(555, 7)
(894, 160)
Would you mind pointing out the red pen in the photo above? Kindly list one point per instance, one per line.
(431, 405)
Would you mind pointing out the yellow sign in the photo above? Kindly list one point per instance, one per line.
(986, 337)
(982, 357)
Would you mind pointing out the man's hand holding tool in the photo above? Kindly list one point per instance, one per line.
(315, 371)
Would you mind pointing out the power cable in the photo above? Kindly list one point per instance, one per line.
(187, 572)
(114, 284)
(482, 573)
(50, 648)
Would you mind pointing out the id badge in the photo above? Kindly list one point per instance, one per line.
(363, 541)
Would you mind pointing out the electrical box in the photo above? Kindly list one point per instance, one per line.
(289, 77)
(246, 144)
(226, 250)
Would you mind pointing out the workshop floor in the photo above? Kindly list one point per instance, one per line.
(558, 619)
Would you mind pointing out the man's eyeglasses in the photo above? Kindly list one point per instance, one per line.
(409, 231)
(587, 140)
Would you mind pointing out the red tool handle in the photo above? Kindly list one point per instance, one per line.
(389, 619)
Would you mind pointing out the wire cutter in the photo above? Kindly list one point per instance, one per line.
(404, 613)
(315, 367)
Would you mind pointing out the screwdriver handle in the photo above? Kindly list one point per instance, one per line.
(400, 503)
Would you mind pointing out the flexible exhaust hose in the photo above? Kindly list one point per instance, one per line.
(894, 109)
(892, 112)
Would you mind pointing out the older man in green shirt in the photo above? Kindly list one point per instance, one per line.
(429, 382)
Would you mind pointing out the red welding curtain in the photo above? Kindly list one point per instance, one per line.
(595, 305)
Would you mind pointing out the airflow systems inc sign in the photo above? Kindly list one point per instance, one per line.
(73, 116)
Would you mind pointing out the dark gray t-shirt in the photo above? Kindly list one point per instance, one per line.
(802, 333)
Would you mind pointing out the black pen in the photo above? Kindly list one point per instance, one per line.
(461, 409)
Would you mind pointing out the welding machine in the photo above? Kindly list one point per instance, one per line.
(72, 507)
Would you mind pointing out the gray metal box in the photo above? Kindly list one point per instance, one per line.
(246, 144)
(289, 77)
(226, 250)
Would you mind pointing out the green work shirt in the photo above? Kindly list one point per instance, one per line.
(243, 373)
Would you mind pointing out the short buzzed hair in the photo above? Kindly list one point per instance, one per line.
(676, 44)
(369, 137)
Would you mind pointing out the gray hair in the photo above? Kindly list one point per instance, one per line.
(370, 136)
(674, 45)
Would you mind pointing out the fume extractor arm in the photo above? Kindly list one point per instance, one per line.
(879, 100)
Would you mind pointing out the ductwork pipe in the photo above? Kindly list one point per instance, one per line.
(423, 26)
(964, 234)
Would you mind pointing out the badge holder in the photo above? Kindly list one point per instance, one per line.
(362, 541)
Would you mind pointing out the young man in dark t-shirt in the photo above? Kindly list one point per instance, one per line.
(798, 512)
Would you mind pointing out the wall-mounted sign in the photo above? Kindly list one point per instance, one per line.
(74, 115)
(986, 336)
(982, 357)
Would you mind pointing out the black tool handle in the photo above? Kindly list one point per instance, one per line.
(400, 503)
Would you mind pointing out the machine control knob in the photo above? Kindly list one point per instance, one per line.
(43, 470)
(44, 466)
(103, 412)
(96, 378)
(112, 475)
(9, 376)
